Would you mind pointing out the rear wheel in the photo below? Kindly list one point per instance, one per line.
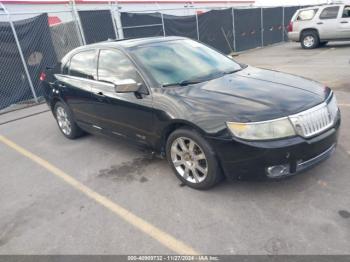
(310, 40)
(192, 159)
(66, 122)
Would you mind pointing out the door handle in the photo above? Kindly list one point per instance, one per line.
(344, 22)
(320, 23)
(99, 94)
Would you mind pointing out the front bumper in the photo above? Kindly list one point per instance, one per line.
(245, 160)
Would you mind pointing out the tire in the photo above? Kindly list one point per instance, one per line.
(309, 40)
(65, 121)
(197, 168)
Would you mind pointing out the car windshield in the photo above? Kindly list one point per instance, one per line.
(183, 62)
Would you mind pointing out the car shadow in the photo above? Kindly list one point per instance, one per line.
(341, 45)
(336, 45)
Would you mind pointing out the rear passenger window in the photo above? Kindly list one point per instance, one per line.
(306, 15)
(330, 12)
(83, 64)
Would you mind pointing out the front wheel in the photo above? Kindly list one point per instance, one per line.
(192, 159)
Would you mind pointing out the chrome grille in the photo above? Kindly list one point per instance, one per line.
(315, 120)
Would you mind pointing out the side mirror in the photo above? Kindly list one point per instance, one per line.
(126, 86)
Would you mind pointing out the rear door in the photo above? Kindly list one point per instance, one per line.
(123, 114)
(75, 84)
(344, 23)
(327, 22)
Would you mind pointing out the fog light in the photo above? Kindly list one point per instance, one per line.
(277, 171)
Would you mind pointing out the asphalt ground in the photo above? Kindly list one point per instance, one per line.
(99, 196)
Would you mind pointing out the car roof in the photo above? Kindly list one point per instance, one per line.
(123, 43)
(319, 6)
(129, 43)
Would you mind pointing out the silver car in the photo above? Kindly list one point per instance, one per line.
(315, 26)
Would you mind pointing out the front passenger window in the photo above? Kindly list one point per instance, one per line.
(113, 65)
(83, 64)
(330, 12)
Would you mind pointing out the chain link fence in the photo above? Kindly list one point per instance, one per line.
(15, 81)
(31, 41)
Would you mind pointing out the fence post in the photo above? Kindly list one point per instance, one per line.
(119, 24)
(233, 29)
(111, 7)
(262, 26)
(197, 24)
(162, 16)
(77, 21)
(21, 53)
(283, 24)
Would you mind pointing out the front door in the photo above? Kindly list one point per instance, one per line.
(123, 114)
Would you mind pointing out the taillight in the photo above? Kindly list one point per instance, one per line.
(42, 76)
(290, 27)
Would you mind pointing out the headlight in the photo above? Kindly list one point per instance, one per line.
(333, 107)
(262, 130)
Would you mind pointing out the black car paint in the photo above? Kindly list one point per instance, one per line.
(249, 95)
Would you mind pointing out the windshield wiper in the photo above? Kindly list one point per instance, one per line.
(183, 83)
(232, 71)
(207, 78)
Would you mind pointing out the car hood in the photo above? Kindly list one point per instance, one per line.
(249, 95)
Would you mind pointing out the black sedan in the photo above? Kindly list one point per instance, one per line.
(209, 115)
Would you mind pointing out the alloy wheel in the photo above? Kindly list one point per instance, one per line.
(189, 160)
(309, 41)
(63, 121)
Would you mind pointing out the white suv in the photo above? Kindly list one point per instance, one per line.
(316, 25)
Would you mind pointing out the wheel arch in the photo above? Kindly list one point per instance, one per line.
(54, 101)
(171, 127)
(308, 29)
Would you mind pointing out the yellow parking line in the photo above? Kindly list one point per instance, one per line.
(162, 237)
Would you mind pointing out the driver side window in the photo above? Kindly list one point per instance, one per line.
(113, 65)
